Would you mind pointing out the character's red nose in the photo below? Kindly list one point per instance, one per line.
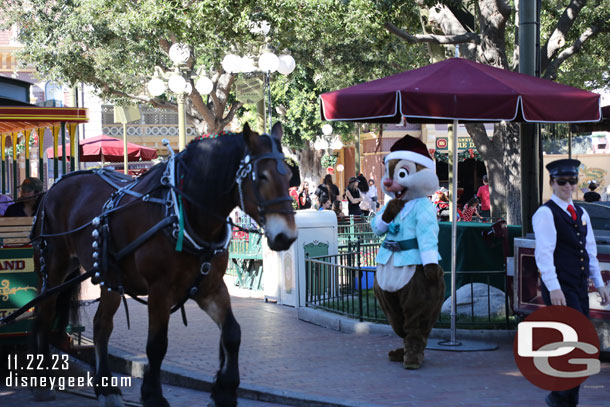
(387, 182)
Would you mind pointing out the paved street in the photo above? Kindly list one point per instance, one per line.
(282, 355)
(291, 362)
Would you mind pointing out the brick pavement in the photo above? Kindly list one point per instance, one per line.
(283, 355)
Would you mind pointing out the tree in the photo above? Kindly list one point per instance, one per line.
(114, 45)
(574, 36)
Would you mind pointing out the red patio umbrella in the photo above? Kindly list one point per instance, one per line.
(108, 149)
(458, 89)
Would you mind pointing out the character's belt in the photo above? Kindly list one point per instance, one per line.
(395, 246)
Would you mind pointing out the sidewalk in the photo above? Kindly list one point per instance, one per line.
(288, 361)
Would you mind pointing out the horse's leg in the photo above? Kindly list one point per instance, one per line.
(156, 346)
(45, 314)
(107, 396)
(218, 306)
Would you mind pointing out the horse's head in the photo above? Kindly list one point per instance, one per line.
(263, 178)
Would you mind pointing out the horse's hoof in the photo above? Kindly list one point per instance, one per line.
(110, 400)
(43, 394)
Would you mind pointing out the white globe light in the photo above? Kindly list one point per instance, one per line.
(231, 63)
(247, 65)
(320, 144)
(188, 88)
(177, 83)
(287, 64)
(179, 53)
(204, 85)
(156, 86)
(336, 144)
(327, 129)
(340, 167)
(268, 62)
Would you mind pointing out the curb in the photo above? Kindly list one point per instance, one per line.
(128, 364)
(350, 325)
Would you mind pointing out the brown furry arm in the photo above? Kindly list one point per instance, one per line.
(433, 271)
(394, 207)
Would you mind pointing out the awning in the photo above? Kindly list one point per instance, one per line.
(19, 118)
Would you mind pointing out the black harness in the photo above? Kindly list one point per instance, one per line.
(105, 270)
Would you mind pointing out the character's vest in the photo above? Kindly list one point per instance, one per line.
(570, 257)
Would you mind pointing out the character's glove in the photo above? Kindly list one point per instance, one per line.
(433, 271)
(394, 207)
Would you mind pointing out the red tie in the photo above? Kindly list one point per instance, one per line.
(572, 212)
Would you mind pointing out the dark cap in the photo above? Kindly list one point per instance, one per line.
(563, 168)
(352, 179)
(31, 184)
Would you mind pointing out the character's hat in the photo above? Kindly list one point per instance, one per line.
(563, 168)
(412, 149)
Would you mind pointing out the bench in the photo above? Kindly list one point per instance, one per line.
(246, 255)
(15, 231)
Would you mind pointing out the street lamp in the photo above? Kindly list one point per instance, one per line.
(179, 85)
(328, 143)
(268, 62)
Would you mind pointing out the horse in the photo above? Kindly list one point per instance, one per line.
(164, 235)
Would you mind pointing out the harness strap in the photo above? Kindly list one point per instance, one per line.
(47, 293)
(144, 237)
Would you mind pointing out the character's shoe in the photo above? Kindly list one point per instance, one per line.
(396, 355)
(413, 361)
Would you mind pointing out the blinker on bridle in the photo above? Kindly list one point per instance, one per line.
(248, 166)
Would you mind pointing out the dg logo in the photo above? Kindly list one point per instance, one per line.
(557, 348)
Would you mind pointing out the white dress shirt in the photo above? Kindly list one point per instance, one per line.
(546, 239)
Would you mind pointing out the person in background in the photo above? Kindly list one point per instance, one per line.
(442, 205)
(591, 195)
(29, 197)
(483, 195)
(366, 205)
(338, 210)
(373, 195)
(5, 202)
(327, 188)
(324, 204)
(352, 193)
(566, 254)
(304, 199)
(470, 209)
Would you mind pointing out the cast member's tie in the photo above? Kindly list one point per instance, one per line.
(572, 212)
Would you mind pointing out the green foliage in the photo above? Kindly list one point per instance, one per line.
(328, 160)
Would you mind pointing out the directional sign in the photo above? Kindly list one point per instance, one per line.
(464, 143)
(249, 90)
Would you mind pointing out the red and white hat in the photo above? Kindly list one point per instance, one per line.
(412, 149)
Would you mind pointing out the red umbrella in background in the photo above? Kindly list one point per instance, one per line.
(108, 149)
(459, 89)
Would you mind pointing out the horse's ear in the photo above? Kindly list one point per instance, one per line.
(249, 136)
(277, 132)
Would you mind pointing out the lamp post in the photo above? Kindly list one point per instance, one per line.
(179, 85)
(327, 142)
(268, 62)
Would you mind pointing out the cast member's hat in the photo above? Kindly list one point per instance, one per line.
(412, 149)
(563, 168)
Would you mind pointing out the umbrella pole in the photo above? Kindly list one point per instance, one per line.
(453, 344)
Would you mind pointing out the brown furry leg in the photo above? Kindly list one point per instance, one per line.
(421, 301)
(390, 304)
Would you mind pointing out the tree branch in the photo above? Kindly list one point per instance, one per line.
(553, 66)
(431, 38)
(558, 38)
(504, 8)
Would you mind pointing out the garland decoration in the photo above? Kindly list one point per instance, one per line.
(462, 156)
(328, 160)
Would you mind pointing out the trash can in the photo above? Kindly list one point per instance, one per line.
(284, 272)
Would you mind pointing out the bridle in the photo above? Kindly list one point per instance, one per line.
(248, 168)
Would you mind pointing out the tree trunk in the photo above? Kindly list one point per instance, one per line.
(310, 168)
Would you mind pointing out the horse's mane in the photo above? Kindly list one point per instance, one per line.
(215, 161)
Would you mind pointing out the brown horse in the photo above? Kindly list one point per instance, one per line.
(129, 234)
